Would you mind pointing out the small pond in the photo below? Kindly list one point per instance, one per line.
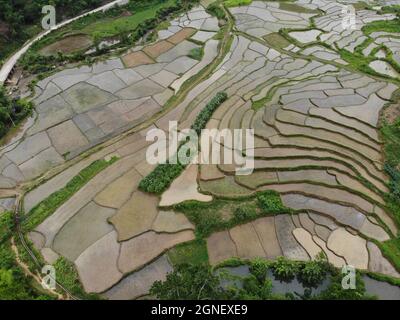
(382, 290)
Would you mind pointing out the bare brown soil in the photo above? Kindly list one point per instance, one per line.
(136, 59)
(158, 48)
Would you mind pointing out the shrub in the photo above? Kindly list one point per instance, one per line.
(235, 3)
(216, 11)
(312, 273)
(270, 202)
(259, 268)
(161, 177)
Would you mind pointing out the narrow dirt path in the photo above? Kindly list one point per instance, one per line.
(28, 273)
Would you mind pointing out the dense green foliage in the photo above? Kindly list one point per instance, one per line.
(203, 282)
(390, 133)
(235, 3)
(245, 213)
(161, 177)
(312, 273)
(12, 111)
(391, 9)
(14, 285)
(216, 10)
(309, 273)
(205, 114)
(193, 252)
(196, 54)
(194, 282)
(19, 13)
(220, 214)
(391, 138)
(164, 174)
(205, 216)
(45, 208)
(255, 286)
(391, 250)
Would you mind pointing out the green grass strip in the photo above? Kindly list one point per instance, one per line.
(45, 208)
(221, 214)
(163, 175)
(236, 3)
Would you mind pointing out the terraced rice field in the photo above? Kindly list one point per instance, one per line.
(314, 115)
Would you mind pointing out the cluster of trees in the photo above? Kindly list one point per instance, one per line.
(163, 175)
(270, 202)
(392, 149)
(12, 111)
(14, 285)
(161, 14)
(216, 10)
(310, 273)
(196, 282)
(205, 114)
